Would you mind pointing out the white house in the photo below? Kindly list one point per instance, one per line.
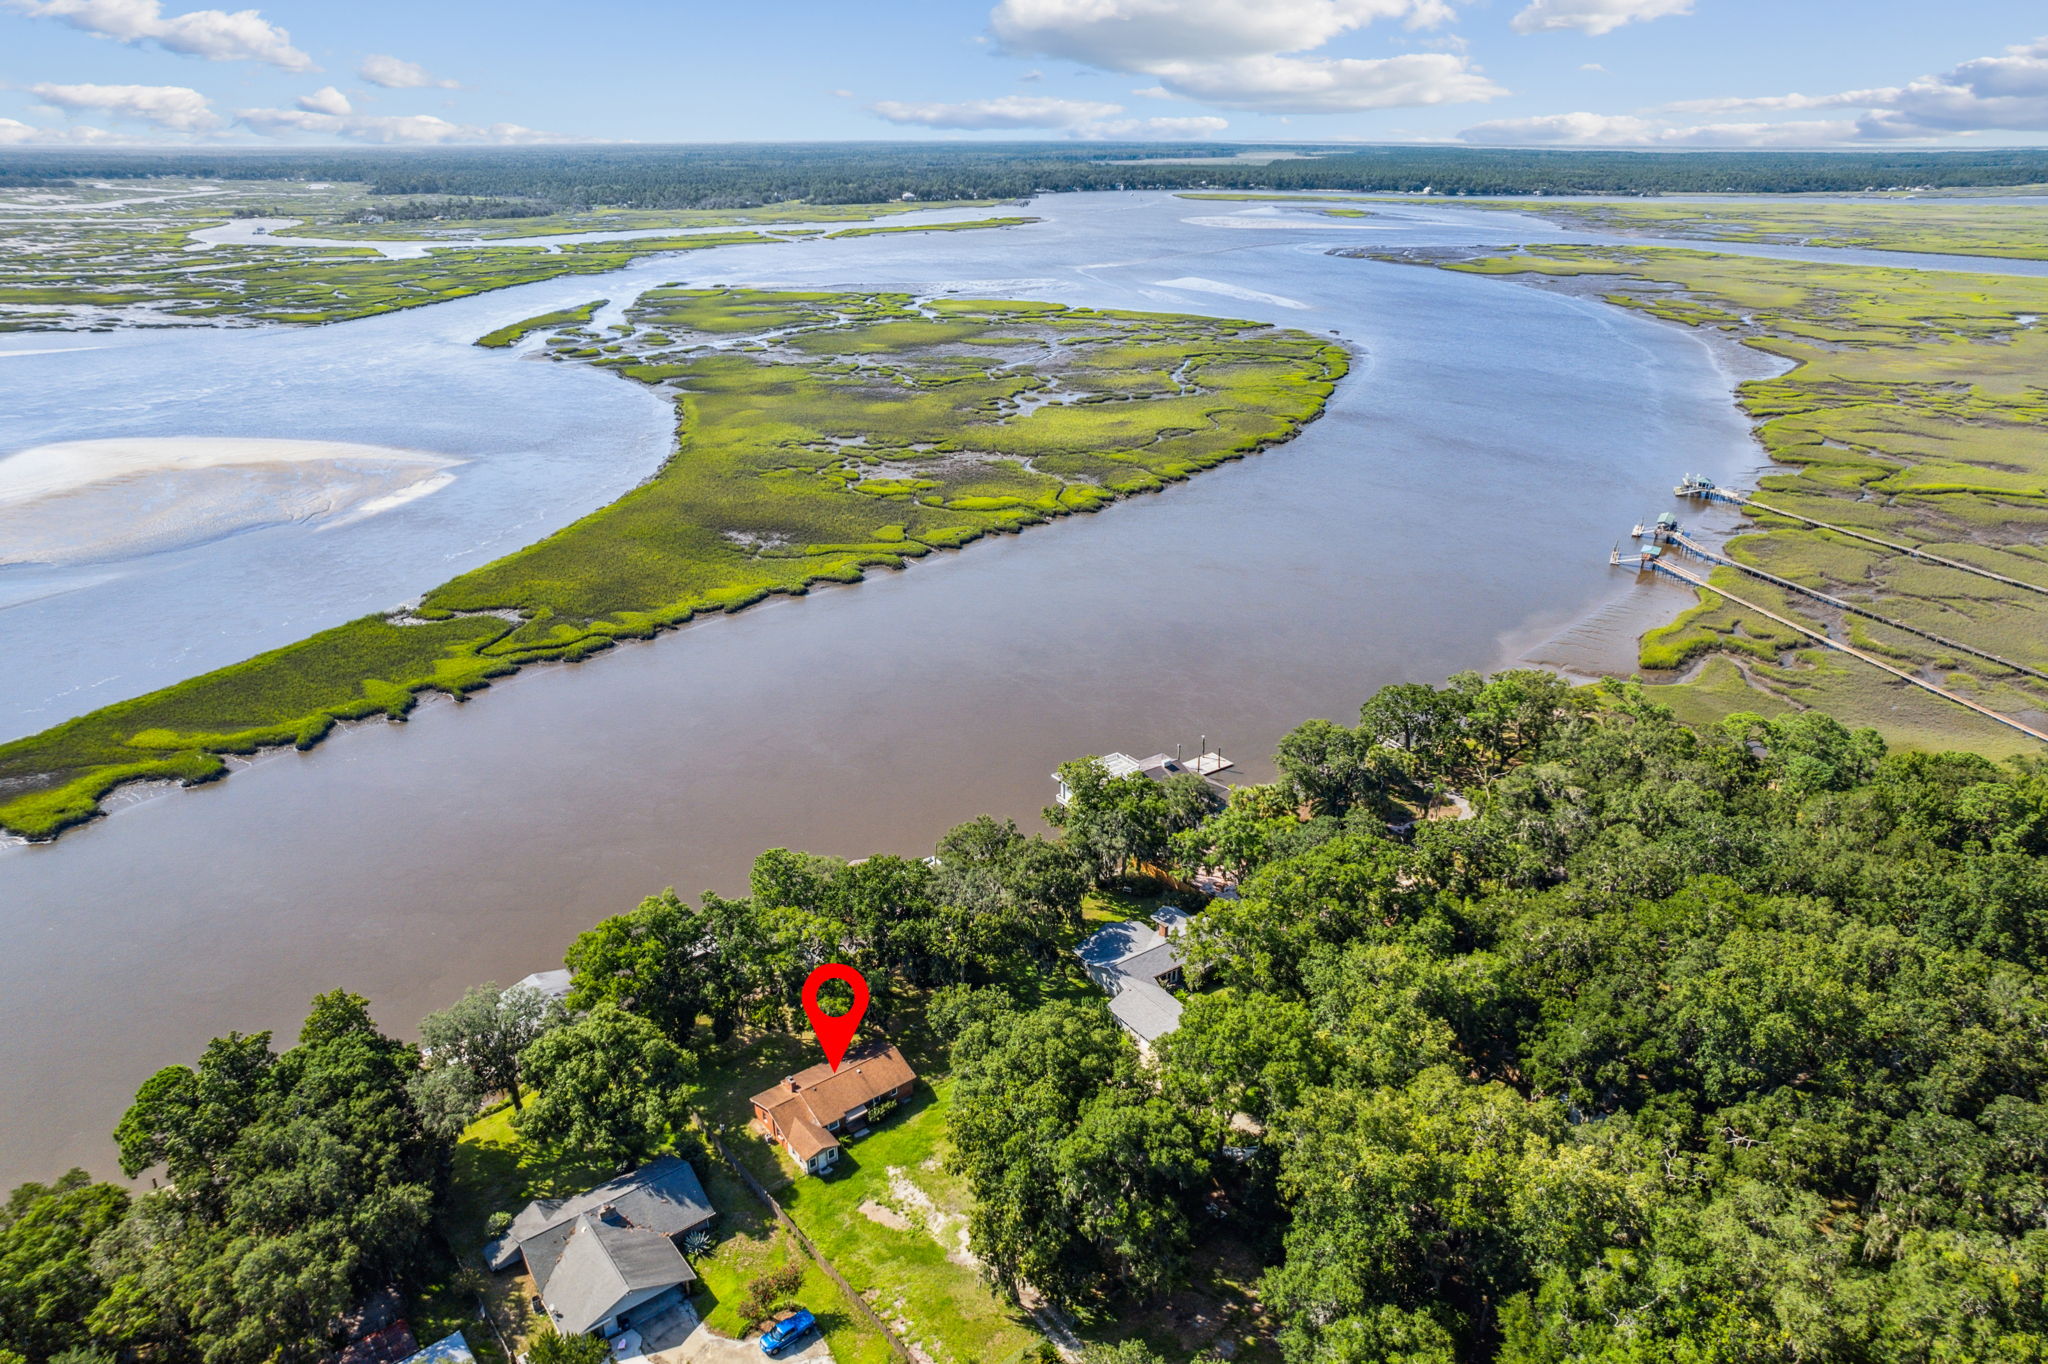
(1134, 962)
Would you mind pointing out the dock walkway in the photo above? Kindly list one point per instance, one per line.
(1707, 492)
(1686, 575)
(1680, 540)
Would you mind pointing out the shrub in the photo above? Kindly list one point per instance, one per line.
(775, 1289)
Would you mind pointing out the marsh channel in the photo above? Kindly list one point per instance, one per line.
(1453, 509)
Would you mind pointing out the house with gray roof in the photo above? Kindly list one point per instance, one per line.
(554, 984)
(610, 1254)
(1134, 962)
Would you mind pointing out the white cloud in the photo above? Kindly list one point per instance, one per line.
(1814, 133)
(326, 100)
(1575, 130)
(1153, 92)
(1308, 85)
(176, 107)
(1594, 17)
(1135, 35)
(213, 34)
(1245, 54)
(14, 133)
(395, 73)
(1032, 76)
(1628, 130)
(2006, 93)
(413, 129)
(1201, 125)
(1772, 103)
(1591, 66)
(1007, 111)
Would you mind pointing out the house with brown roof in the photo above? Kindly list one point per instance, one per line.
(809, 1110)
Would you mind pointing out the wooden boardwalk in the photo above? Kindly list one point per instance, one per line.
(1697, 580)
(1678, 539)
(1706, 492)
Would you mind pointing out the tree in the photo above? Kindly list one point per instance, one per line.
(1021, 895)
(1258, 825)
(302, 1181)
(1329, 768)
(549, 1346)
(487, 1030)
(447, 1098)
(1244, 1053)
(609, 1085)
(649, 961)
(336, 1015)
(1081, 1178)
(48, 1284)
(186, 1118)
(770, 1292)
(1113, 822)
(1122, 1352)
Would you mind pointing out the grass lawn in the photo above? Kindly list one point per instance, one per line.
(894, 1223)
(907, 1253)
(750, 1244)
(496, 1171)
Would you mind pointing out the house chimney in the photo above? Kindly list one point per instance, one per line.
(790, 1080)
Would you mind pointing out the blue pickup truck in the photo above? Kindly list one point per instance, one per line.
(788, 1331)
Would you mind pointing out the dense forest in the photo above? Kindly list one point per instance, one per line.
(1538, 1027)
(741, 176)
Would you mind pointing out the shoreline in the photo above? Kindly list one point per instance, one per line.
(467, 661)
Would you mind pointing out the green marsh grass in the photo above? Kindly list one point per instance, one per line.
(860, 433)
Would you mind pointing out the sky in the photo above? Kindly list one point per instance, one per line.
(1661, 73)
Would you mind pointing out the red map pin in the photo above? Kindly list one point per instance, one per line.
(835, 1031)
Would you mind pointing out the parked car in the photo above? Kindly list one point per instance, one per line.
(788, 1331)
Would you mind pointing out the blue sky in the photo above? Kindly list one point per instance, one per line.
(1672, 73)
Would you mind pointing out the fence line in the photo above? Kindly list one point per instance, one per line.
(755, 1187)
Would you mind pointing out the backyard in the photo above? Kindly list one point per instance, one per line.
(889, 1218)
(495, 1171)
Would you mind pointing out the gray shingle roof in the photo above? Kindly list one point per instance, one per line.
(554, 984)
(663, 1195)
(1152, 963)
(1127, 960)
(586, 1268)
(1148, 1011)
(1113, 942)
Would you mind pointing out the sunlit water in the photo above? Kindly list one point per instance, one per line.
(1453, 509)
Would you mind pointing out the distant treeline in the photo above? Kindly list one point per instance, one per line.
(739, 176)
(410, 209)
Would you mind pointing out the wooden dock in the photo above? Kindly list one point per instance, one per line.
(1680, 540)
(1658, 564)
(1701, 490)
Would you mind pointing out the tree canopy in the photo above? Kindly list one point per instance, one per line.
(610, 1085)
(299, 1182)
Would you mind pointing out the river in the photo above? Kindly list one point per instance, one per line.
(1453, 509)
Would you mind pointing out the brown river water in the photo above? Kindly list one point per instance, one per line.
(1453, 509)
